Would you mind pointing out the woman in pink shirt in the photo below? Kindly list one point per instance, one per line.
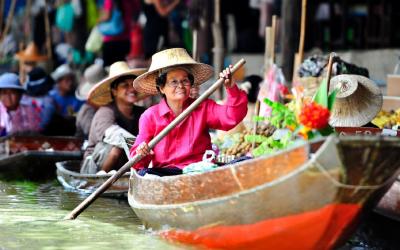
(172, 73)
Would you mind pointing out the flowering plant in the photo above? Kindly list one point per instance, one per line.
(304, 118)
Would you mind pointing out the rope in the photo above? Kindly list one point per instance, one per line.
(343, 185)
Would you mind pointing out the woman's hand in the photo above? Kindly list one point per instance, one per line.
(144, 150)
(227, 75)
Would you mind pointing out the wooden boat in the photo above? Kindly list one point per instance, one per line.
(389, 205)
(307, 197)
(34, 157)
(68, 175)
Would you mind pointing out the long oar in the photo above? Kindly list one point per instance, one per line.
(84, 204)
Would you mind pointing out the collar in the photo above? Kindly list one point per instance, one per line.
(164, 109)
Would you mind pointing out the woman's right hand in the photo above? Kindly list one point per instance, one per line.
(144, 150)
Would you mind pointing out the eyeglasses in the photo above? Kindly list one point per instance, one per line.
(175, 83)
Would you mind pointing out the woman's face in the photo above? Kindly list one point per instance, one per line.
(125, 92)
(10, 98)
(177, 86)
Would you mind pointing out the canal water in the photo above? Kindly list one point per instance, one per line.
(31, 218)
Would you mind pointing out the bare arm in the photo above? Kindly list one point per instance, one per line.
(164, 10)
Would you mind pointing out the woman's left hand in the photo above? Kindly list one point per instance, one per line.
(227, 75)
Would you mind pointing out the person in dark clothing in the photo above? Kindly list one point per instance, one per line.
(116, 48)
(156, 12)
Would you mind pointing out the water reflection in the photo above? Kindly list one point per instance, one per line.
(31, 218)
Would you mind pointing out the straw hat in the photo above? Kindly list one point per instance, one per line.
(168, 58)
(31, 53)
(92, 75)
(100, 94)
(357, 102)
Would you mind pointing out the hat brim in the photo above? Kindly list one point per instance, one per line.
(20, 88)
(146, 82)
(32, 58)
(356, 112)
(82, 91)
(100, 94)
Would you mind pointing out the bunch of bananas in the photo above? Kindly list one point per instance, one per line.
(387, 119)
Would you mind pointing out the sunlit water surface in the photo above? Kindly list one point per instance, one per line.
(31, 218)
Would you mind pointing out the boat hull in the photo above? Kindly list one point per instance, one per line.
(70, 178)
(34, 157)
(325, 193)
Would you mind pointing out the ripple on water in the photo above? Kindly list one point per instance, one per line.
(31, 218)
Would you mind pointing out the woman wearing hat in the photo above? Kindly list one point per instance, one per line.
(37, 86)
(14, 116)
(63, 93)
(92, 75)
(172, 73)
(29, 58)
(117, 116)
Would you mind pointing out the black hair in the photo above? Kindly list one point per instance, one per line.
(255, 83)
(114, 84)
(161, 80)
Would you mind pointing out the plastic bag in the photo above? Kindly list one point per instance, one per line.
(65, 17)
(203, 166)
(92, 15)
(114, 26)
(94, 41)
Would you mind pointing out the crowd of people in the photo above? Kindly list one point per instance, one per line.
(109, 99)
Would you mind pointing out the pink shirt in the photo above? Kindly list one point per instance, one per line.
(129, 7)
(187, 142)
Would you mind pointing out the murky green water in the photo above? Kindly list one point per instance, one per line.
(31, 218)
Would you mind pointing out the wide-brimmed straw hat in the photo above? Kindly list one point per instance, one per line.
(100, 94)
(92, 75)
(31, 54)
(166, 59)
(10, 81)
(357, 102)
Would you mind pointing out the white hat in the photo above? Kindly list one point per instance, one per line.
(61, 71)
(92, 75)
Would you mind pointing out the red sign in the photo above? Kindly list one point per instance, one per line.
(366, 131)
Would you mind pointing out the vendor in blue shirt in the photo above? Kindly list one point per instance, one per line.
(63, 93)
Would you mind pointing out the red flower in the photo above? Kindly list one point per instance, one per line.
(314, 116)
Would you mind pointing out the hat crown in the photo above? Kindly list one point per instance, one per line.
(357, 102)
(31, 49)
(10, 81)
(61, 71)
(94, 73)
(118, 68)
(345, 84)
(170, 57)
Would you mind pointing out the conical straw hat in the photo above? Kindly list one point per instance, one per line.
(357, 102)
(100, 94)
(170, 58)
(31, 54)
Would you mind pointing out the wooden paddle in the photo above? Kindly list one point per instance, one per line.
(84, 204)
